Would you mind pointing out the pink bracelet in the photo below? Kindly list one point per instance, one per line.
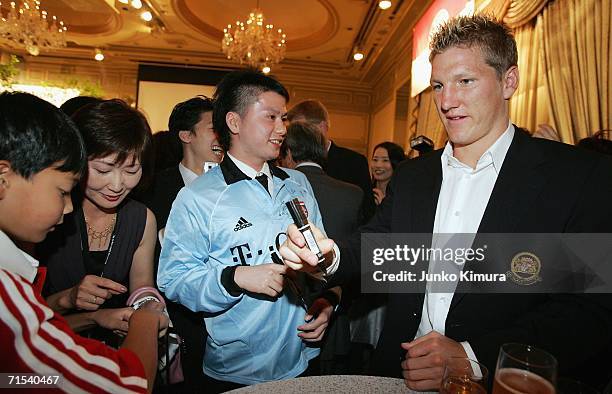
(145, 289)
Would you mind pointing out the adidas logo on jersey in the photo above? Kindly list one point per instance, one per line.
(242, 224)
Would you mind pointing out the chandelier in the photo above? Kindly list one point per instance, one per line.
(254, 43)
(30, 27)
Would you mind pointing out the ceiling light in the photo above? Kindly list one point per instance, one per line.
(124, 1)
(266, 70)
(137, 4)
(358, 55)
(254, 42)
(99, 56)
(147, 16)
(384, 4)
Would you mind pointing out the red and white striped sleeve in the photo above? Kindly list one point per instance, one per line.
(34, 339)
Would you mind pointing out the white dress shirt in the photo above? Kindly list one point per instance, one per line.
(308, 164)
(464, 196)
(251, 173)
(16, 260)
(187, 175)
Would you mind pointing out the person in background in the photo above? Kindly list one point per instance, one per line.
(340, 205)
(167, 149)
(42, 157)
(341, 163)
(597, 143)
(385, 157)
(191, 122)
(100, 260)
(546, 132)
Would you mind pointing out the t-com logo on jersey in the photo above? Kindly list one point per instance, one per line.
(242, 224)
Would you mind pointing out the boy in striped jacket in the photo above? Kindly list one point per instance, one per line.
(42, 157)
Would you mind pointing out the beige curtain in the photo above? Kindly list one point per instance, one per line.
(529, 106)
(520, 12)
(564, 64)
(514, 12)
(576, 49)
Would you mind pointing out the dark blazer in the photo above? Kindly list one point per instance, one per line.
(189, 324)
(543, 187)
(339, 202)
(159, 198)
(349, 166)
(340, 206)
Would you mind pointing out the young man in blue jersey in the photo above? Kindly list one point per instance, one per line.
(222, 232)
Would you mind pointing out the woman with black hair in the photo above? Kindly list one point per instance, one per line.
(385, 158)
(103, 252)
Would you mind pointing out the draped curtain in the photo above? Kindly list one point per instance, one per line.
(576, 36)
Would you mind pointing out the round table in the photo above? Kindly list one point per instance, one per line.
(349, 384)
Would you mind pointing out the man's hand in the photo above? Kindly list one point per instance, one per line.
(423, 367)
(296, 254)
(315, 330)
(114, 319)
(263, 279)
(92, 292)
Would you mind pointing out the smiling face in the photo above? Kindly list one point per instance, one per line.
(381, 165)
(30, 208)
(472, 101)
(203, 141)
(108, 183)
(259, 133)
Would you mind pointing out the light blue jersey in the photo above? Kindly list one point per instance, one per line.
(222, 219)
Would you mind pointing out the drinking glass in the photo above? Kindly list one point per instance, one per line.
(524, 369)
(464, 376)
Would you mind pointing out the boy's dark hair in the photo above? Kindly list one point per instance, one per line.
(395, 152)
(236, 91)
(305, 142)
(113, 127)
(35, 134)
(187, 114)
(494, 39)
(72, 105)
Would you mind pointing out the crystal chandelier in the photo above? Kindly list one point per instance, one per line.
(254, 43)
(30, 27)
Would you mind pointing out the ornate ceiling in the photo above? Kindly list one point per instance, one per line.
(321, 34)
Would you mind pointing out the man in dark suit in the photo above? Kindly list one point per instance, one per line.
(341, 163)
(339, 202)
(491, 177)
(191, 120)
(340, 206)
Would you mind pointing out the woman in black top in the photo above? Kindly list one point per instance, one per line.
(104, 250)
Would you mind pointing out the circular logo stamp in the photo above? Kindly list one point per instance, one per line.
(525, 269)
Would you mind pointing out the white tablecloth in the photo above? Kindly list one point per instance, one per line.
(349, 384)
